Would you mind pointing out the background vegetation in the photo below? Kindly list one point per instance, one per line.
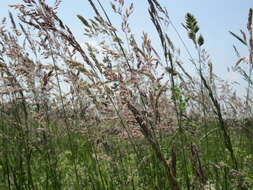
(118, 113)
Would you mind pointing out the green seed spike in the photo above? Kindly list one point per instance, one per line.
(249, 24)
(201, 40)
(192, 36)
(191, 23)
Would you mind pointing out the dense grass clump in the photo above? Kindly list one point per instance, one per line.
(120, 114)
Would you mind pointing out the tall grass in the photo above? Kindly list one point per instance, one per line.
(121, 114)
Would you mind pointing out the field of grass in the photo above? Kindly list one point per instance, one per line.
(121, 114)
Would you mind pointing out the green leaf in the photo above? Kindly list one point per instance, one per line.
(83, 20)
(238, 38)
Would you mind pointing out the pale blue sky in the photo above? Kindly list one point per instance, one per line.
(215, 17)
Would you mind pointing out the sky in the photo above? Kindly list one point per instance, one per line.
(215, 17)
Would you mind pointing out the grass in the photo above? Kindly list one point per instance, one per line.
(122, 114)
(110, 163)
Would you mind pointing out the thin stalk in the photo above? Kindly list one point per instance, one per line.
(65, 115)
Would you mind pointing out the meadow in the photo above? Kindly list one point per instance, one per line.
(119, 113)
